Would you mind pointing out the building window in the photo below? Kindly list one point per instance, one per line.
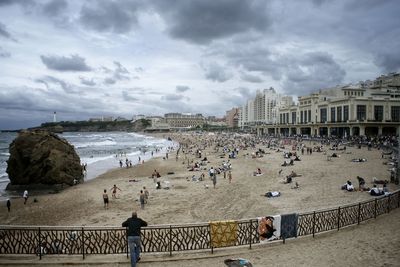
(309, 115)
(333, 114)
(339, 114)
(305, 116)
(378, 113)
(396, 113)
(287, 117)
(345, 113)
(361, 112)
(345, 93)
(301, 117)
(280, 118)
(323, 115)
(293, 117)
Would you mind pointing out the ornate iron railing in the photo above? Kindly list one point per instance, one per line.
(175, 238)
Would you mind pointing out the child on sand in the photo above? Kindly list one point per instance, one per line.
(114, 191)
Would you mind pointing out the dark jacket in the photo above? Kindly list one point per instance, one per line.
(134, 225)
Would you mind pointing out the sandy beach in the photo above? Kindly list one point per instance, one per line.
(188, 201)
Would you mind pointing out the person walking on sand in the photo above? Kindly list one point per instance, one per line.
(230, 176)
(133, 225)
(146, 194)
(114, 191)
(25, 196)
(105, 199)
(214, 179)
(142, 199)
(8, 204)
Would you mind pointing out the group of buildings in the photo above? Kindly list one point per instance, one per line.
(365, 108)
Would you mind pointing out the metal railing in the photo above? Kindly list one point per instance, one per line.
(176, 238)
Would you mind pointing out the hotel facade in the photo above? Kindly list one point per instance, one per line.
(367, 108)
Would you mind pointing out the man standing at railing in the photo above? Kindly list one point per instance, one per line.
(133, 225)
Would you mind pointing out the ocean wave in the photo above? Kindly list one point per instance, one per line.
(96, 159)
(100, 143)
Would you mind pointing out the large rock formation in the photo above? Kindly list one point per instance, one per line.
(40, 157)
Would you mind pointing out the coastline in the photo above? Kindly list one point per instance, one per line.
(191, 202)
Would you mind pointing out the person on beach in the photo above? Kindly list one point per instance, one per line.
(146, 194)
(25, 196)
(105, 199)
(134, 224)
(230, 176)
(214, 179)
(142, 199)
(8, 205)
(114, 191)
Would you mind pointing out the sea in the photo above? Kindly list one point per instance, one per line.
(101, 151)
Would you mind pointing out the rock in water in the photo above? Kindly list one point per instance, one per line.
(41, 157)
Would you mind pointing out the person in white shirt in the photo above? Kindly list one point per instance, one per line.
(25, 196)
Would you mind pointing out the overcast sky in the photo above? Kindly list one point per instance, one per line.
(87, 59)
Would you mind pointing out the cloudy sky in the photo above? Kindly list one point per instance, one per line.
(87, 59)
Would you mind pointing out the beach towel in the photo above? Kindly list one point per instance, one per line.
(223, 233)
(289, 225)
(237, 263)
(265, 233)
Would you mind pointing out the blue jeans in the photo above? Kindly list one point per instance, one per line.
(134, 248)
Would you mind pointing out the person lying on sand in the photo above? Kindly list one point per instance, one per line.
(257, 172)
(376, 181)
(359, 160)
(272, 194)
(348, 187)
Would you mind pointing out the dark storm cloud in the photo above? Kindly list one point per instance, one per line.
(250, 78)
(182, 88)
(109, 16)
(202, 21)
(88, 82)
(61, 63)
(310, 72)
(4, 53)
(389, 62)
(55, 7)
(216, 73)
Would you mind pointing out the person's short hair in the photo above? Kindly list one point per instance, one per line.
(134, 214)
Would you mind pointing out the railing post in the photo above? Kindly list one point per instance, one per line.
(251, 232)
(398, 199)
(83, 243)
(170, 240)
(313, 227)
(40, 244)
(127, 243)
(376, 206)
(388, 203)
(338, 219)
(359, 213)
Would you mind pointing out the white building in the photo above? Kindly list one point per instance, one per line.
(366, 108)
(263, 108)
